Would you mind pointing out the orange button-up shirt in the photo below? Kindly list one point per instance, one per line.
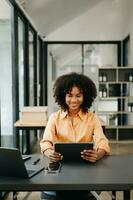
(86, 127)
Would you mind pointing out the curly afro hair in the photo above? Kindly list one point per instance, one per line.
(63, 85)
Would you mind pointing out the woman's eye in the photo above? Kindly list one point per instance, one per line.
(68, 95)
(78, 95)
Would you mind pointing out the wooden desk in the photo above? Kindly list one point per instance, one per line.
(26, 126)
(110, 173)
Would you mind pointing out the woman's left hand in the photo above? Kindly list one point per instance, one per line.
(92, 155)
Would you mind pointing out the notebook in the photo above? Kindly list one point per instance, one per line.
(12, 164)
(72, 151)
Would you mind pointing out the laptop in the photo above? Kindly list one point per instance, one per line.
(72, 151)
(12, 164)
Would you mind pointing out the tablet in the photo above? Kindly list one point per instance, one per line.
(72, 151)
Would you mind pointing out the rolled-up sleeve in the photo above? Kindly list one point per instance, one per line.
(49, 134)
(101, 142)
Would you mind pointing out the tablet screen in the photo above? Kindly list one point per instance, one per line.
(72, 151)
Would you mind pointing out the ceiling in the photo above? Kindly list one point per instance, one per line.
(48, 15)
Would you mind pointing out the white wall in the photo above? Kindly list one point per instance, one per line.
(108, 20)
(4, 10)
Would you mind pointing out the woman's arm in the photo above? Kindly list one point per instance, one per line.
(49, 135)
(100, 140)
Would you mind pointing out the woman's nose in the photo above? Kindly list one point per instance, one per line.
(74, 99)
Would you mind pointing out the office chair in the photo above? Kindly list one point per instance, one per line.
(51, 195)
(4, 195)
(96, 195)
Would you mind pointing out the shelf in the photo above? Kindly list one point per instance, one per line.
(124, 67)
(112, 141)
(115, 102)
(111, 133)
(115, 112)
(119, 127)
(114, 90)
(108, 74)
(116, 74)
(125, 97)
(125, 74)
(125, 134)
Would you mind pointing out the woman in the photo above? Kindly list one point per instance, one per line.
(74, 122)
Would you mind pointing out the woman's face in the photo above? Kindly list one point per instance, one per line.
(74, 99)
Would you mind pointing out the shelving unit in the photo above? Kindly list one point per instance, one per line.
(115, 101)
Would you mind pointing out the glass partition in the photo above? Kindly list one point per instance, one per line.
(21, 29)
(6, 97)
(40, 72)
(31, 68)
(100, 54)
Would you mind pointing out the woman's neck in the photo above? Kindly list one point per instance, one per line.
(73, 113)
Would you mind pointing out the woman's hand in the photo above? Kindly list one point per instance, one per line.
(53, 156)
(92, 155)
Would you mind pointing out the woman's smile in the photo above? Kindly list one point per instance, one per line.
(74, 99)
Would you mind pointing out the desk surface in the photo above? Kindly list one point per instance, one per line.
(20, 124)
(110, 173)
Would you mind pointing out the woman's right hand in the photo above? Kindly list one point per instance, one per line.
(53, 156)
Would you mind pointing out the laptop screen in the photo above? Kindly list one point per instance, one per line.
(12, 164)
(72, 151)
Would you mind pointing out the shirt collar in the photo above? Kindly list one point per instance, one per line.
(81, 114)
(63, 114)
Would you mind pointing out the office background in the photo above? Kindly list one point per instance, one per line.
(40, 41)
